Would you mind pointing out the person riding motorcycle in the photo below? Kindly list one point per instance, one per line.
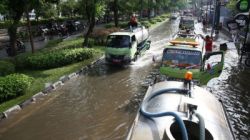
(63, 29)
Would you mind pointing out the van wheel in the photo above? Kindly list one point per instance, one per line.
(135, 58)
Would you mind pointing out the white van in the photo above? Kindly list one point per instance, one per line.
(32, 16)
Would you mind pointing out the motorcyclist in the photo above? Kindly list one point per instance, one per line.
(63, 29)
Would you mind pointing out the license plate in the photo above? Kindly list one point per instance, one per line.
(117, 61)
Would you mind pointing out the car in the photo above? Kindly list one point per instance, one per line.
(74, 25)
(174, 16)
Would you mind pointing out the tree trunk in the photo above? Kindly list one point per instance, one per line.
(13, 34)
(116, 13)
(88, 12)
(13, 37)
(91, 27)
(149, 13)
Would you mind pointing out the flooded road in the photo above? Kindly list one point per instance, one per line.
(101, 103)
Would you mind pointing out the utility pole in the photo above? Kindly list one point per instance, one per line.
(210, 10)
(216, 18)
(29, 26)
(206, 15)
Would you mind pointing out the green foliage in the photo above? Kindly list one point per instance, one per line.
(146, 23)
(99, 36)
(6, 68)
(232, 7)
(53, 43)
(92, 42)
(3, 25)
(14, 85)
(68, 7)
(109, 25)
(20, 61)
(59, 58)
(123, 24)
(152, 21)
(158, 20)
(22, 34)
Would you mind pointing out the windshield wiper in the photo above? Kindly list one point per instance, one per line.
(190, 67)
(176, 66)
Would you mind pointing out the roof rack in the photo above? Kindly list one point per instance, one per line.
(184, 43)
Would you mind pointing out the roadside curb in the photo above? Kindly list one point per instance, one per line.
(47, 90)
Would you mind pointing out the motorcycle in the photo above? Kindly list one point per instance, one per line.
(63, 32)
(53, 28)
(43, 30)
(20, 47)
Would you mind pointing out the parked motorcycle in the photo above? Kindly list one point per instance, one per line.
(20, 47)
(52, 28)
(43, 30)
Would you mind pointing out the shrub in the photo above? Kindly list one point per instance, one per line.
(91, 42)
(53, 43)
(59, 58)
(152, 21)
(145, 23)
(158, 19)
(6, 68)
(100, 35)
(123, 24)
(109, 25)
(14, 85)
(20, 60)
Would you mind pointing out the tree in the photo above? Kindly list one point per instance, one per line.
(93, 9)
(232, 7)
(48, 13)
(15, 10)
(68, 8)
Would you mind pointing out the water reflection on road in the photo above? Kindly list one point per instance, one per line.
(101, 103)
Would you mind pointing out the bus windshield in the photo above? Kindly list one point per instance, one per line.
(183, 58)
(118, 41)
(189, 22)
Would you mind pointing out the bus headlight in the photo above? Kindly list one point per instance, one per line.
(127, 57)
(107, 56)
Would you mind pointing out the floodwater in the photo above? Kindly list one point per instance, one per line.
(101, 103)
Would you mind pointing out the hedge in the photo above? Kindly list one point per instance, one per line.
(6, 68)
(59, 58)
(14, 85)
